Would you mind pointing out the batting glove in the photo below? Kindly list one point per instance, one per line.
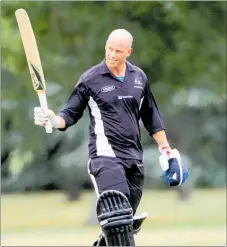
(175, 172)
(41, 118)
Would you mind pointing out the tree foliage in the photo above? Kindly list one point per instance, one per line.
(180, 45)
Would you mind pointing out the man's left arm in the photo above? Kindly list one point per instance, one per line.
(174, 170)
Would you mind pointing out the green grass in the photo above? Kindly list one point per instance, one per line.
(48, 219)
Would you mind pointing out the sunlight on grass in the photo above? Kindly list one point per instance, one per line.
(48, 219)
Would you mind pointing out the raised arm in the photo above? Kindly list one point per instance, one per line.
(70, 114)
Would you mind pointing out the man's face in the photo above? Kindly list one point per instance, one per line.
(116, 53)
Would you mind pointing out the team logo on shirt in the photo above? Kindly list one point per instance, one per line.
(108, 88)
(138, 83)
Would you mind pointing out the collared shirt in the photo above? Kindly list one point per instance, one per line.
(115, 110)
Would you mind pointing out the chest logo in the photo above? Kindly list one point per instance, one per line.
(137, 81)
(108, 88)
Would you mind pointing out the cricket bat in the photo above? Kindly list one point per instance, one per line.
(33, 59)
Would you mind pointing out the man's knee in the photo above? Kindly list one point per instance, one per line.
(115, 216)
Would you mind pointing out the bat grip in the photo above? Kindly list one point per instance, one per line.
(44, 106)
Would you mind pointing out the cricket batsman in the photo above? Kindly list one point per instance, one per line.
(117, 95)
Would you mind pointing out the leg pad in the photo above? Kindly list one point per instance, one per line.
(115, 217)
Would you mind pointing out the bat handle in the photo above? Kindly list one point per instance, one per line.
(44, 106)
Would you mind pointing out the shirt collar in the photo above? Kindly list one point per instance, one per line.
(104, 69)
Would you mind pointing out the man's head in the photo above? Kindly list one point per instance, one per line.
(118, 47)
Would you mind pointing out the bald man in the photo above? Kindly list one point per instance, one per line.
(118, 95)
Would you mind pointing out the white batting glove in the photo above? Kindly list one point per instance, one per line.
(41, 118)
(166, 154)
(175, 172)
(164, 159)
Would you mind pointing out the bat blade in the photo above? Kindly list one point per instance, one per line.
(31, 50)
(33, 59)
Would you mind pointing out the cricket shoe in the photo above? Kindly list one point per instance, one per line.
(138, 221)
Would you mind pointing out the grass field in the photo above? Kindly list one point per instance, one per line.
(48, 219)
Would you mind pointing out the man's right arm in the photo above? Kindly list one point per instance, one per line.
(70, 114)
(41, 118)
(61, 122)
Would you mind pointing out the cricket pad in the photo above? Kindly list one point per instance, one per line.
(115, 216)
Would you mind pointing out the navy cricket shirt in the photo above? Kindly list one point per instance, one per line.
(115, 109)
